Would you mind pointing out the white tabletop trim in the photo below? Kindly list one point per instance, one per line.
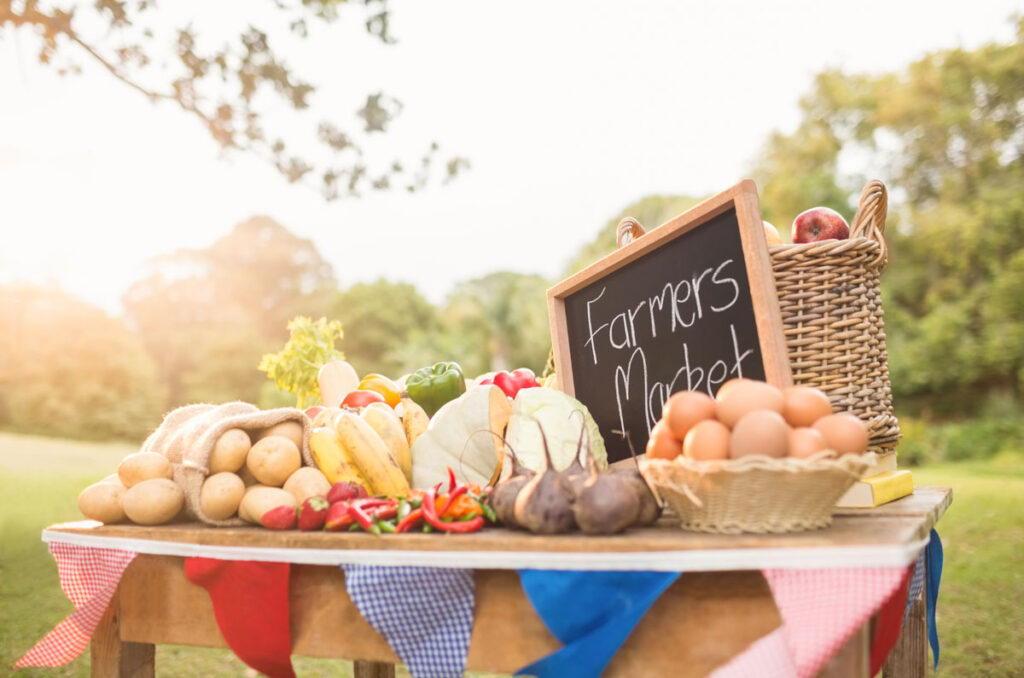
(705, 560)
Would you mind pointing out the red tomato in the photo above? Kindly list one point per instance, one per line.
(360, 398)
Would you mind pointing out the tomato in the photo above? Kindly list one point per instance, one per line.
(359, 398)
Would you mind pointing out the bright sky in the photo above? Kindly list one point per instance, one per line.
(568, 111)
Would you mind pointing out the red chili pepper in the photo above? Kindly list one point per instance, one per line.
(410, 521)
(451, 479)
(471, 525)
(452, 496)
(430, 515)
(385, 512)
(373, 502)
(363, 519)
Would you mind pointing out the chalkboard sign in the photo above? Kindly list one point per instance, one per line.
(687, 306)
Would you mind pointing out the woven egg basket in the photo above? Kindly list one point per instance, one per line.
(756, 493)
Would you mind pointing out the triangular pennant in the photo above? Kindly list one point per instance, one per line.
(250, 603)
(767, 657)
(821, 609)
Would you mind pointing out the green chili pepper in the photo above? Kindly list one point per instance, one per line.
(431, 387)
(489, 513)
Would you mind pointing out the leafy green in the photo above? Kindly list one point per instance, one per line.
(295, 367)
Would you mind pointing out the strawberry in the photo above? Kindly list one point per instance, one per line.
(338, 517)
(280, 518)
(313, 513)
(343, 491)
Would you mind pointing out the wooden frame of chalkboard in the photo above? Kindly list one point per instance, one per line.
(688, 305)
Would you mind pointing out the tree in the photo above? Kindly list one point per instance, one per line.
(383, 321)
(651, 211)
(68, 369)
(946, 133)
(230, 87)
(497, 322)
(207, 315)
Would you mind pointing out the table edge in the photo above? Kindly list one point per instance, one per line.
(705, 560)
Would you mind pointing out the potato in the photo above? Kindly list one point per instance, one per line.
(141, 466)
(220, 495)
(229, 451)
(259, 499)
(102, 501)
(307, 482)
(291, 429)
(273, 459)
(244, 505)
(248, 479)
(153, 502)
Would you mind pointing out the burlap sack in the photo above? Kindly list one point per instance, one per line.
(187, 436)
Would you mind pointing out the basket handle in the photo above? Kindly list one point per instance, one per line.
(628, 230)
(869, 221)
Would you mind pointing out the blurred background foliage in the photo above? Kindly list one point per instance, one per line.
(946, 134)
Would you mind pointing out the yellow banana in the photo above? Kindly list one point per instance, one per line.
(371, 455)
(414, 419)
(388, 426)
(333, 458)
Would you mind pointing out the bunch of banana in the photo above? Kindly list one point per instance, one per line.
(414, 419)
(347, 447)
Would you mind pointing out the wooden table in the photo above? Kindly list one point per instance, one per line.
(706, 617)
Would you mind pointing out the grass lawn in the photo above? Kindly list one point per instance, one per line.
(979, 608)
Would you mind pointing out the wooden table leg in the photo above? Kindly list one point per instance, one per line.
(909, 659)
(113, 658)
(372, 670)
(853, 660)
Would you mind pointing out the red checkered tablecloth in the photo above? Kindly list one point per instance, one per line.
(89, 578)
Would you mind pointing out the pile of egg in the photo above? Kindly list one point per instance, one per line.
(753, 417)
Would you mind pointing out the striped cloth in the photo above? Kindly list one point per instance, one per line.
(89, 578)
(425, 613)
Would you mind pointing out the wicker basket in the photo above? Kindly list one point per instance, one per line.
(832, 315)
(756, 493)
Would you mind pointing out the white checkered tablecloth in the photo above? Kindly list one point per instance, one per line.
(425, 613)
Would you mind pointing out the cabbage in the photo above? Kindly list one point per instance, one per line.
(555, 412)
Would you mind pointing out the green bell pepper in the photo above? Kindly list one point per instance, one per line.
(431, 387)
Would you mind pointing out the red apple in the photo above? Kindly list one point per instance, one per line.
(819, 223)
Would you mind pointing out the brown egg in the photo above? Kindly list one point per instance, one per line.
(805, 442)
(844, 433)
(709, 439)
(746, 395)
(662, 444)
(760, 432)
(728, 385)
(804, 405)
(686, 409)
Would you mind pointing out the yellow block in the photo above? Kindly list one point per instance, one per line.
(878, 489)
